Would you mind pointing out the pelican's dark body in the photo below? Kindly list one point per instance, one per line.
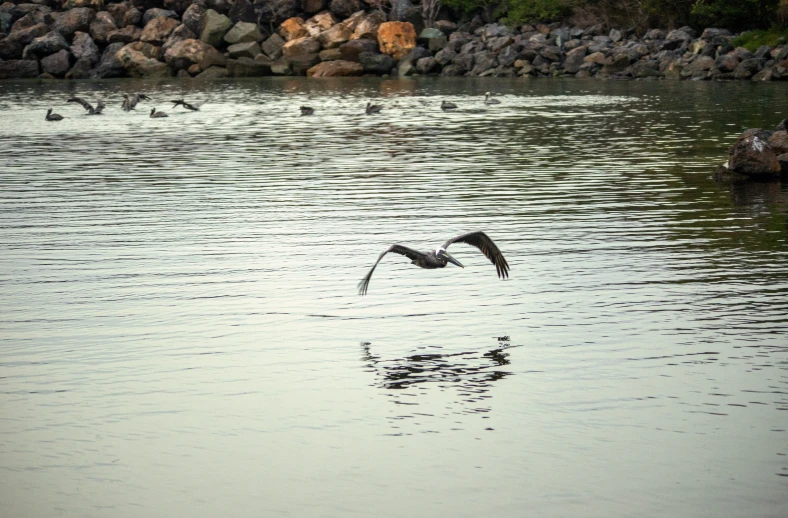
(439, 257)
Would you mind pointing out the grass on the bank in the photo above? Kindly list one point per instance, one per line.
(751, 40)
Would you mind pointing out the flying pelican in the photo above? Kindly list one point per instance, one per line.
(439, 257)
(53, 116)
(490, 100)
(155, 115)
(306, 110)
(373, 108)
(129, 102)
(192, 107)
(90, 109)
(445, 105)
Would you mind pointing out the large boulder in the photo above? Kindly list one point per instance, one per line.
(293, 29)
(335, 36)
(158, 30)
(192, 17)
(396, 38)
(109, 66)
(186, 53)
(243, 32)
(344, 8)
(180, 33)
(69, 22)
(336, 68)
(212, 73)
(83, 47)
(45, 45)
(80, 70)
(246, 67)
(140, 59)
(215, 26)
(351, 50)
(273, 46)
(300, 48)
(127, 34)
(242, 11)
(18, 69)
(752, 156)
(157, 12)
(247, 49)
(367, 28)
(319, 23)
(375, 63)
(101, 26)
(57, 64)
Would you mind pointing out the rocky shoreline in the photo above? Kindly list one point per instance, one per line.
(82, 39)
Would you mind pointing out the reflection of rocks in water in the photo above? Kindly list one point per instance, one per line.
(466, 376)
(760, 195)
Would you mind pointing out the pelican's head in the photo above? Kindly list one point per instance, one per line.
(441, 253)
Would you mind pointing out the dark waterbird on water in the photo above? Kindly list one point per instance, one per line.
(306, 110)
(156, 115)
(53, 116)
(373, 108)
(89, 107)
(439, 257)
(181, 102)
(446, 105)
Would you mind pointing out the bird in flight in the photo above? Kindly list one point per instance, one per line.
(439, 257)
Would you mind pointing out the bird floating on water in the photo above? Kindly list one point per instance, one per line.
(306, 110)
(89, 107)
(53, 116)
(445, 105)
(490, 100)
(155, 115)
(188, 106)
(439, 257)
(373, 108)
(129, 102)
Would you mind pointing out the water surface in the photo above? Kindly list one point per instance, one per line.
(180, 333)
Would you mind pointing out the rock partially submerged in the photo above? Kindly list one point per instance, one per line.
(757, 154)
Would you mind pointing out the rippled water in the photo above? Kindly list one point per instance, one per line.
(180, 333)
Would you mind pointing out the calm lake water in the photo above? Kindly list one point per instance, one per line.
(181, 335)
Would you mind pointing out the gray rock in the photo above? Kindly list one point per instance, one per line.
(747, 68)
(644, 69)
(615, 35)
(45, 45)
(574, 60)
(243, 32)
(57, 64)
(83, 46)
(281, 68)
(425, 65)
(727, 63)
(551, 53)
(406, 68)
(483, 61)
(508, 56)
(463, 62)
(109, 66)
(18, 69)
(247, 49)
(352, 49)
(444, 56)
(81, 69)
(212, 73)
(156, 12)
(344, 8)
(242, 11)
(375, 63)
(654, 34)
(273, 46)
(73, 20)
(246, 67)
(453, 70)
(215, 26)
(192, 17)
(5, 22)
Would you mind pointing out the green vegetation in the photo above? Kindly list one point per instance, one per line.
(751, 40)
(735, 15)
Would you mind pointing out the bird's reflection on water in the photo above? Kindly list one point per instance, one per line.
(464, 378)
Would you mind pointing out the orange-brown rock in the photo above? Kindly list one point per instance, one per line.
(293, 28)
(158, 30)
(336, 68)
(335, 36)
(396, 38)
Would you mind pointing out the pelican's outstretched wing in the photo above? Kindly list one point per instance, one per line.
(397, 249)
(99, 107)
(83, 102)
(483, 242)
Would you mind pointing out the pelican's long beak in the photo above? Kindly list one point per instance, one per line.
(452, 260)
